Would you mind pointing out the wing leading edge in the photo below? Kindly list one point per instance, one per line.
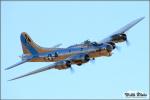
(123, 29)
(63, 64)
(19, 63)
(128, 26)
(36, 71)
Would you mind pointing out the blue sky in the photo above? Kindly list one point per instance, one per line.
(51, 23)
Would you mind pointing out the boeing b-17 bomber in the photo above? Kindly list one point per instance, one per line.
(78, 54)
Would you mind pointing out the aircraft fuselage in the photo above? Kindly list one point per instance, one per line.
(61, 54)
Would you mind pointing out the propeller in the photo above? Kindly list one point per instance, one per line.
(126, 39)
(71, 70)
(118, 48)
(127, 42)
(92, 60)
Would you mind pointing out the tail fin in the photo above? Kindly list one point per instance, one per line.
(29, 46)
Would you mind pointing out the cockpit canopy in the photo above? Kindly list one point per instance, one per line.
(89, 43)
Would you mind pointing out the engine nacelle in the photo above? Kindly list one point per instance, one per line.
(79, 59)
(113, 44)
(63, 65)
(119, 38)
(124, 36)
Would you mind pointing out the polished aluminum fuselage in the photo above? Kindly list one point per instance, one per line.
(63, 53)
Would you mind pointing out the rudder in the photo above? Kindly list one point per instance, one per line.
(28, 45)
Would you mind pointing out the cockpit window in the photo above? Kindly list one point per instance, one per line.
(94, 43)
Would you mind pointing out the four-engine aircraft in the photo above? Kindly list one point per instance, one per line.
(78, 54)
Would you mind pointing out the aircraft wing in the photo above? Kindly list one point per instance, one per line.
(19, 63)
(123, 29)
(62, 64)
(56, 64)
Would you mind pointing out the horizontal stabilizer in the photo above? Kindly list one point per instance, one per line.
(56, 46)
